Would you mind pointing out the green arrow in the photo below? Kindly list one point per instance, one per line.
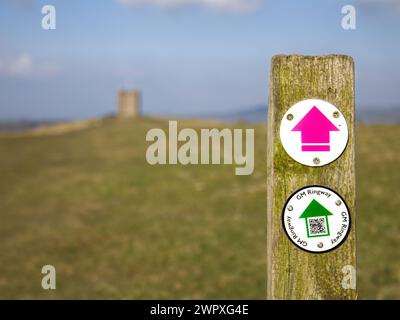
(315, 209)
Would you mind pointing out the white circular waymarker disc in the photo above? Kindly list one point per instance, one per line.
(316, 219)
(314, 132)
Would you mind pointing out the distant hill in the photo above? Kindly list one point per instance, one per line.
(22, 125)
(379, 115)
(259, 114)
(252, 115)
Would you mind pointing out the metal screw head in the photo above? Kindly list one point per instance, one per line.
(338, 202)
(336, 114)
(320, 245)
(290, 208)
(290, 117)
(316, 161)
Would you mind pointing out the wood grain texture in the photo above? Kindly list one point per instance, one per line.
(293, 273)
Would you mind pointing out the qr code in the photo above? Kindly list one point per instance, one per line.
(317, 226)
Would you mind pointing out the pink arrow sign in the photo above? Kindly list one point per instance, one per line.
(315, 130)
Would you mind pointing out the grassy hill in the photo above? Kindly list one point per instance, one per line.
(83, 198)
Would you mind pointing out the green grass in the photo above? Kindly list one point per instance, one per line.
(87, 202)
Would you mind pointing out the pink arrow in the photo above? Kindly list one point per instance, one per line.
(315, 131)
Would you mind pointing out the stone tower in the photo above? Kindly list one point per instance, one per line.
(129, 103)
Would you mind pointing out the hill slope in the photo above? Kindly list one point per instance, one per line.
(87, 202)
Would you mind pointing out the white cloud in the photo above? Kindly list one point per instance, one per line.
(381, 4)
(21, 3)
(23, 66)
(18, 66)
(233, 6)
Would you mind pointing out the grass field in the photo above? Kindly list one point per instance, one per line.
(84, 199)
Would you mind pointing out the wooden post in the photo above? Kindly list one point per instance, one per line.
(293, 273)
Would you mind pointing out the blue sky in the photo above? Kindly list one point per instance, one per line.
(187, 56)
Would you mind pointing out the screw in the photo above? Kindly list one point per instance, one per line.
(338, 202)
(320, 245)
(316, 161)
(290, 208)
(290, 117)
(336, 114)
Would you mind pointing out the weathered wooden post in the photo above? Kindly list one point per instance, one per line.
(294, 273)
